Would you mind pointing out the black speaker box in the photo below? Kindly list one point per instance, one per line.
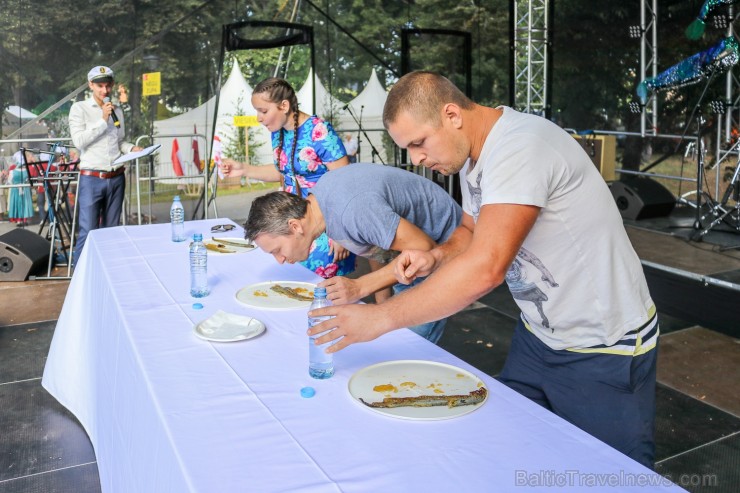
(641, 197)
(22, 253)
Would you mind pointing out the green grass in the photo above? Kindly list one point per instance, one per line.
(164, 192)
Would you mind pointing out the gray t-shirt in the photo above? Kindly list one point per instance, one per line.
(363, 204)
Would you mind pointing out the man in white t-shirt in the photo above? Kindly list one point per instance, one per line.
(350, 145)
(544, 221)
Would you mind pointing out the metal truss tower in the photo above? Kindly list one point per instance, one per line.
(530, 68)
(649, 62)
(732, 89)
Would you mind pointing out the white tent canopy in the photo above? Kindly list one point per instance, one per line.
(20, 113)
(323, 98)
(13, 118)
(367, 108)
(371, 99)
(235, 99)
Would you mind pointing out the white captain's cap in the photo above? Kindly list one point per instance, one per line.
(100, 74)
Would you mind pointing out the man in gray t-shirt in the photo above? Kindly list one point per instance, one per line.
(372, 210)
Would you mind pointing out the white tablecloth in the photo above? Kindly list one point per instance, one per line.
(169, 412)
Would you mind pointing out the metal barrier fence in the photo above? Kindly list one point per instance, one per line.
(55, 179)
(132, 198)
(720, 157)
(207, 195)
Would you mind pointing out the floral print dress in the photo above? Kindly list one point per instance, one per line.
(317, 144)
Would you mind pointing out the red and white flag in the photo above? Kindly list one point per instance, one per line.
(217, 155)
(176, 158)
(196, 150)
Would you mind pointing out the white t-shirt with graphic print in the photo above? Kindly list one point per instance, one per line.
(577, 279)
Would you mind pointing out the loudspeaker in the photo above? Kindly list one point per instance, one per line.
(602, 149)
(22, 253)
(641, 197)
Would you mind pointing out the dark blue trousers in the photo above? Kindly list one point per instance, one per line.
(609, 396)
(99, 203)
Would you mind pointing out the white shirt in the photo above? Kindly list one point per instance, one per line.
(576, 279)
(350, 146)
(99, 142)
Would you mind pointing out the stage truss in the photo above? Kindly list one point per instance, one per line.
(649, 62)
(531, 52)
(732, 92)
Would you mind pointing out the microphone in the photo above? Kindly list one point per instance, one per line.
(106, 100)
(344, 108)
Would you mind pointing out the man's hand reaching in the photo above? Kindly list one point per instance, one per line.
(342, 290)
(411, 264)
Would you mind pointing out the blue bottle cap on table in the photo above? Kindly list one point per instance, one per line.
(197, 306)
(319, 291)
(308, 392)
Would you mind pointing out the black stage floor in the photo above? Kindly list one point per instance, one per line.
(697, 280)
(43, 448)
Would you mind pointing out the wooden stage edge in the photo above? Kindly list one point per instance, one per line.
(693, 281)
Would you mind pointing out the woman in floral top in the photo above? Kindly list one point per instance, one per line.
(299, 162)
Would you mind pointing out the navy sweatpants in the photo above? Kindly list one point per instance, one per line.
(610, 396)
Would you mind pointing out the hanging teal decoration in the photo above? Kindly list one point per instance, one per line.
(696, 28)
(693, 69)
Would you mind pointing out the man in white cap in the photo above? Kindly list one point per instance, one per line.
(97, 131)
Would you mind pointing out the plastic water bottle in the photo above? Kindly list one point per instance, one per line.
(198, 267)
(320, 364)
(177, 220)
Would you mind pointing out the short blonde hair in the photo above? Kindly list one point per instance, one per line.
(423, 94)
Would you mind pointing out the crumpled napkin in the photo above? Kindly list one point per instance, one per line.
(226, 327)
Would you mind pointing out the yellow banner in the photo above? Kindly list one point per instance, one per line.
(152, 84)
(246, 121)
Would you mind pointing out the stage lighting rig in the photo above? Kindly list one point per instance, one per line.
(720, 21)
(636, 107)
(636, 32)
(718, 107)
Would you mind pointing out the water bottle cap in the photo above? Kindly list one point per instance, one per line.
(197, 237)
(308, 392)
(197, 306)
(176, 198)
(319, 291)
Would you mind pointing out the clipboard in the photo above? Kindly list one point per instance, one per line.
(137, 154)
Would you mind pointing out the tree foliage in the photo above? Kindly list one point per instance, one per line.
(47, 47)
